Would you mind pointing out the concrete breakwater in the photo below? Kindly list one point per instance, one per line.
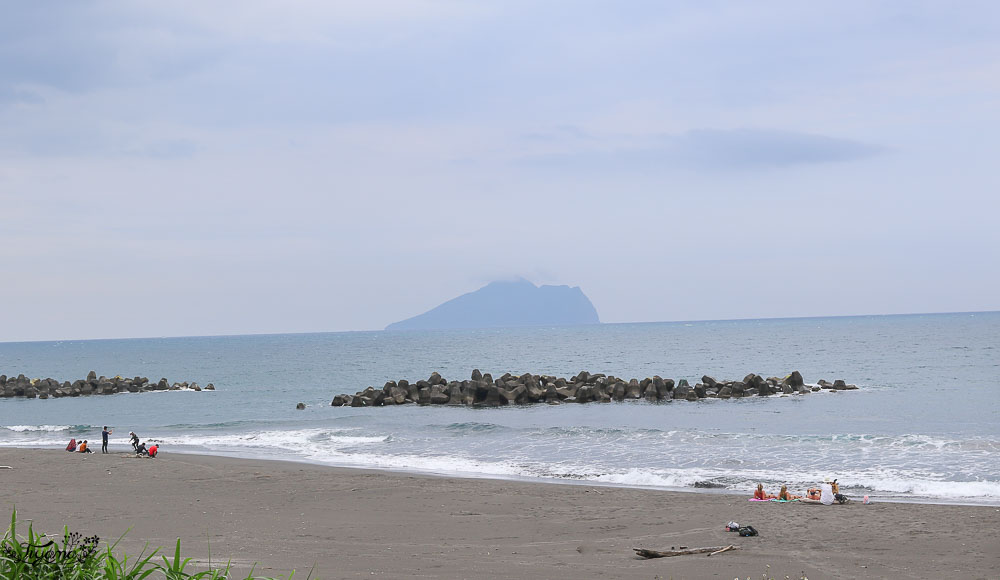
(482, 390)
(92, 385)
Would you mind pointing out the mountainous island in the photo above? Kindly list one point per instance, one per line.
(515, 303)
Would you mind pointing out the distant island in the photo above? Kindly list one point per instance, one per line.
(516, 303)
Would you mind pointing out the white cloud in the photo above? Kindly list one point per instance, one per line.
(341, 165)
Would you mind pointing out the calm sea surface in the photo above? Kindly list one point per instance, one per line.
(925, 424)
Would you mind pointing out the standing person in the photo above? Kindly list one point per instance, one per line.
(135, 440)
(104, 439)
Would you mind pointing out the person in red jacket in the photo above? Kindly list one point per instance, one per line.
(152, 450)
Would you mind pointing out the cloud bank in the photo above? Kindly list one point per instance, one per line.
(228, 167)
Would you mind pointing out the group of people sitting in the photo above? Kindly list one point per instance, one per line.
(140, 448)
(827, 493)
(72, 447)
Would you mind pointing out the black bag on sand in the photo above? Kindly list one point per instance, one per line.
(748, 531)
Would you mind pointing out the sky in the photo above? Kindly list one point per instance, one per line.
(201, 168)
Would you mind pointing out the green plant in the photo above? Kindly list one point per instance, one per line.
(36, 556)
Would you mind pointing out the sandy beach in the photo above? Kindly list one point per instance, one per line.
(355, 523)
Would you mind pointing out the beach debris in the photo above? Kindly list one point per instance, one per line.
(747, 531)
(485, 391)
(22, 386)
(300, 406)
(712, 550)
(705, 484)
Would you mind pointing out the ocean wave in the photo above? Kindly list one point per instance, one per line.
(432, 464)
(895, 485)
(909, 466)
(292, 440)
(474, 427)
(898, 484)
(891, 487)
(28, 428)
(203, 426)
(22, 430)
(348, 449)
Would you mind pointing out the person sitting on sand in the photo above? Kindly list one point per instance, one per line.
(839, 497)
(152, 450)
(72, 445)
(785, 496)
(813, 493)
(762, 495)
(83, 448)
(826, 493)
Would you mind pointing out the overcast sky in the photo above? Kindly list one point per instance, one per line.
(190, 168)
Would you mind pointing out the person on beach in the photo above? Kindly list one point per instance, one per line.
(761, 494)
(826, 493)
(813, 493)
(71, 447)
(83, 448)
(140, 450)
(837, 496)
(785, 496)
(134, 439)
(152, 450)
(104, 439)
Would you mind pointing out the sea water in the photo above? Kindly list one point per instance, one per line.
(924, 424)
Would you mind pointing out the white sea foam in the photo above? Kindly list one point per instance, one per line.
(927, 488)
(889, 485)
(897, 466)
(292, 440)
(437, 464)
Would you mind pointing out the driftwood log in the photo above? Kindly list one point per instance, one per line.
(666, 554)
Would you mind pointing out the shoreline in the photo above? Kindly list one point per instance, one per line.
(354, 522)
(571, 481)
(540, 480)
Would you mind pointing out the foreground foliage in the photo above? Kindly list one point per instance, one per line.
(74, 557)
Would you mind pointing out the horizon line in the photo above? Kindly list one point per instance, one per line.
(499, 327)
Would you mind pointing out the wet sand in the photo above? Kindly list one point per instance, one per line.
(365, 524)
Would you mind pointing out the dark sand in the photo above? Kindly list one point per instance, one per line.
(364, 524)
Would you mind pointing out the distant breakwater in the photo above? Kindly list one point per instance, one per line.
(92, 385)
(485, 391)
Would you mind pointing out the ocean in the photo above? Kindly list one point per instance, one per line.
(923, 426)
